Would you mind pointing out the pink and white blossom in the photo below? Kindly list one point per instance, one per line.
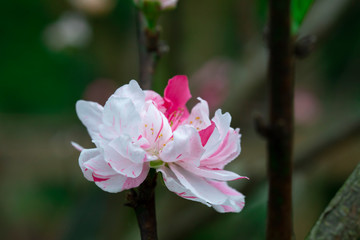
(137, 130)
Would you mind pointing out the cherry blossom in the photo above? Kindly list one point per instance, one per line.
(137, 130)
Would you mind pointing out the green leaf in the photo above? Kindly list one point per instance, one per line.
(299, 9)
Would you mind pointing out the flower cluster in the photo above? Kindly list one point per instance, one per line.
(137, 130)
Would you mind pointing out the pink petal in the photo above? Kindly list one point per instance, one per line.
(222, 122)
(235, 201)
(177, 94)
(206, 133)
(156, 99)
(228, 150)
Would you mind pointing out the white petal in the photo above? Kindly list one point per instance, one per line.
(156, 128)
(185, 146)
(199, 116)
(120, 163)
(77, 146)
(85, 156)
(121, 114)
(127, 149)
(118, 183)
(135, 182)
(212, 144)
(99, 167)
(133, 92)
(198, 186)
(90, 114)
(215, 174)
(173, 184)
(112, 184)
(222, 122)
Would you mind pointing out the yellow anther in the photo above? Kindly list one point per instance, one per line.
(191, 122)
(197, 118)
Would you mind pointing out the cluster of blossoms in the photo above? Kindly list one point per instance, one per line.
(137, 130)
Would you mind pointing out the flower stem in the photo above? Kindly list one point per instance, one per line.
(280, 129)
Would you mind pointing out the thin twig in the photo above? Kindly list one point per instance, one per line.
(280, 139)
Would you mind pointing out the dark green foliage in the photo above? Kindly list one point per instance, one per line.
(299, 9)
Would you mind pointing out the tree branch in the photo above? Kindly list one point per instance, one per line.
(143, 201)
(149, 51)
(143, 198)
(341, 218)
(280, 139)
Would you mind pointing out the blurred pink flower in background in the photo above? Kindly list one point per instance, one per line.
(137, 130)
(211, 82)
(100, 90)
(307, 106)
(94, 7)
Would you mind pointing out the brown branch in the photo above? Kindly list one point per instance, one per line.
(341, 218)
(149, 51)
(280, 140)
(143, 201)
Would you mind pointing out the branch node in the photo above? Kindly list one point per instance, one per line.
(261, 127)
(304, 46)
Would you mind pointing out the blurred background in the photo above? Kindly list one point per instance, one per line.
(53, 53)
